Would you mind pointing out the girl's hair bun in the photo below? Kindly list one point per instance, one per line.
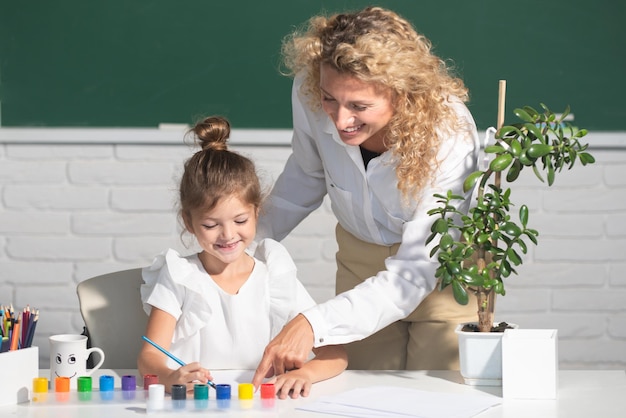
(212, 133)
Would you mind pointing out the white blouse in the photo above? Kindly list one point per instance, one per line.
(217, 329)
(368, 204)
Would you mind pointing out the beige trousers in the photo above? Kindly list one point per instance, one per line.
(425, 340)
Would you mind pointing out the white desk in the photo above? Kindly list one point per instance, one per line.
(586, 394)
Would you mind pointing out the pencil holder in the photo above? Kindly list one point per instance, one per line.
(19, 368)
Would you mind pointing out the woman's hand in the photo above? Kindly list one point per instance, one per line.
(287, 351)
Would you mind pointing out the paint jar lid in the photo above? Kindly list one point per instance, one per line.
(267, 391)
(222, 391)
(40, 385)
(62, 384)
(150, 379)
(200, 391)
(84, 384)
(246, 391)
(129, 382)
(179, 392)
(106, 383)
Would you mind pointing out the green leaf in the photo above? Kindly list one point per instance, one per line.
(537, 173)
(525, 160)
(586, 158)
(539, 150)
(532, 235)
(514, 171)
(523, 215)
(534, 129)
(506, 131)
(494, 149)
(501, 162)
(472, 279)
(499, 288)
(581, 133)
(512, 229)
(514, 257)
(471, 180)
(482, 238)
(454, 268)
(551, 174)
(446, 241)
(520, 113)
(564, 114)
(505, 268)
(440, 226)
(516, 148)
(459, 292)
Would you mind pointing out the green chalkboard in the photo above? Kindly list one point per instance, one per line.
(119, 63)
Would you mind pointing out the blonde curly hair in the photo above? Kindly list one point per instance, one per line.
(378, 46)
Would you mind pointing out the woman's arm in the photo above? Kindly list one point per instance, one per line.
(160, 329)
(301, 187)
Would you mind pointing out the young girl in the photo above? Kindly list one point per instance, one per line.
(218, 309)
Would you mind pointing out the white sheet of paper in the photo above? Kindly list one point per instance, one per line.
(389, 401)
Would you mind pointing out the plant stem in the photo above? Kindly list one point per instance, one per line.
(486, 308)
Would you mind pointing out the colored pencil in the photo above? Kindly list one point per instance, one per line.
(170, 355)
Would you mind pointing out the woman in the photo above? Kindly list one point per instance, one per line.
(380, 125)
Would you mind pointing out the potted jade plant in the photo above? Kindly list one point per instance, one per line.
(477, 250)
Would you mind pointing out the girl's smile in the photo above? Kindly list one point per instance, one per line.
(223, 233)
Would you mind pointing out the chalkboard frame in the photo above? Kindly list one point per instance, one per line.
(141, 63)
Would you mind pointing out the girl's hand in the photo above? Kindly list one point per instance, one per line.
(188, 375)
(292, 384)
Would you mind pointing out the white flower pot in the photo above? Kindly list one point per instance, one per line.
(480, 356)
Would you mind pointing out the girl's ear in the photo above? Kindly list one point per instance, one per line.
(187, 221)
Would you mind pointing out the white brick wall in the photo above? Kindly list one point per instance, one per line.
(70, 211)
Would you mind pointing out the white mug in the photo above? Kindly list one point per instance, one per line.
(68, 357)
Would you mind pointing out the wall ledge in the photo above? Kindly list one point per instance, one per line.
(123, 136)
(175, 136)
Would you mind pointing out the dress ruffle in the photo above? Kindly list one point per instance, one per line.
(170, 267)
(282, 282)
(172, 272)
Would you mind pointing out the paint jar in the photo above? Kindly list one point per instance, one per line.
(179, 396)
(156, 398)
(149, 379)
(268, 395)
(62, 389)
(84, 388)
(129, 386)
(107, 383)
(201, 395)
(246, 395)
(223, 396)
(40, 389)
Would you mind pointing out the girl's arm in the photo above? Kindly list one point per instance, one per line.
(160, 329)
(328, 362)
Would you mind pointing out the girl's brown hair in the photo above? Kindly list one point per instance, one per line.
(378, 46)
(214, 172)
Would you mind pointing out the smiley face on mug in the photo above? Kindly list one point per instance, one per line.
(69, 359)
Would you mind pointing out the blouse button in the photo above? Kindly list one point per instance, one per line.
(321, 340)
